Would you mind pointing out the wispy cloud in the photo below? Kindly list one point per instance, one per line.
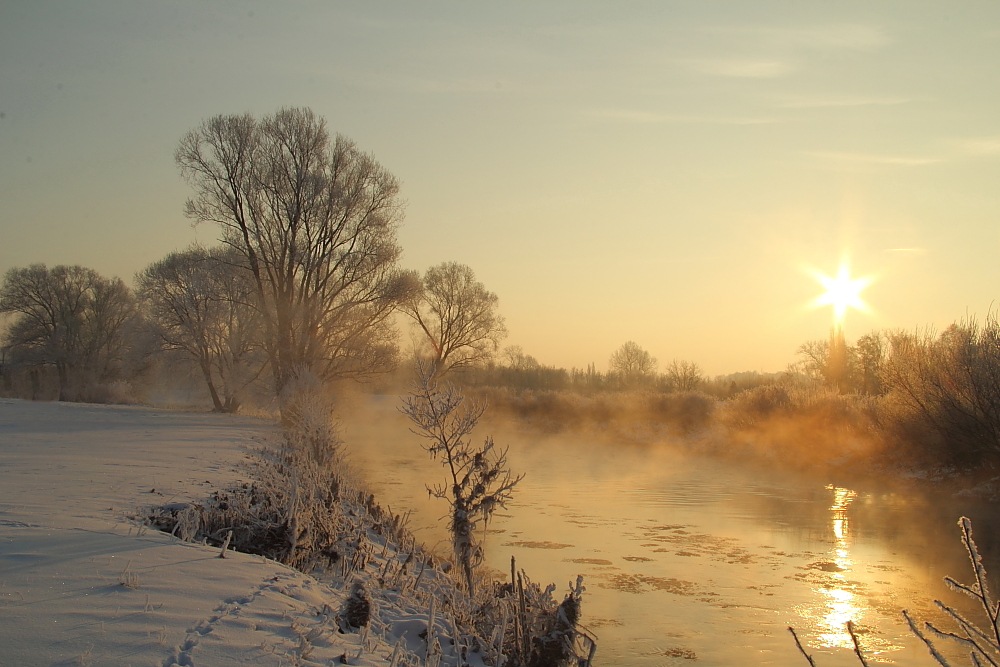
(869, 158)
(422, 84)
(635, 116)
(847, 101)
(979, 146)
(842, 36)
(742, 67)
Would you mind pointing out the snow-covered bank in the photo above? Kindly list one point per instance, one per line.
(85, 579)
(79, 584)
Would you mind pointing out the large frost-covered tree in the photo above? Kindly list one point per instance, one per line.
(202, 303)
(315, 220)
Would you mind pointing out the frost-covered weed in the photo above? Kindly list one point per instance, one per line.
(128, 578)
(357, 608)
(536, 631)
(295, 511)
(478, 478)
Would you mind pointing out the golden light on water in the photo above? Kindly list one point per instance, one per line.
(840, 602)
(840, 591)
(842, 292)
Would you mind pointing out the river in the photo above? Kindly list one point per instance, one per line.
(693, 560)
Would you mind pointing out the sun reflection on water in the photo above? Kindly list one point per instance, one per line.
(840, 603)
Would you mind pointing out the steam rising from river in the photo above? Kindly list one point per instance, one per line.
(690, 557)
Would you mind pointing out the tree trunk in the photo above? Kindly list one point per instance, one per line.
(216, 401)
(36, 383)
(62, 374)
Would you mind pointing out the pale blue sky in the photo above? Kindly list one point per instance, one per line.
(661, 172)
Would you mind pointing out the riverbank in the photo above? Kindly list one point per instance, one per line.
(84, 585)
(136, 535)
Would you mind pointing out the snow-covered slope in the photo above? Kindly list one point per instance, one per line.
(81, 585)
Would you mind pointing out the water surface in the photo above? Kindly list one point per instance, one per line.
(696, 560)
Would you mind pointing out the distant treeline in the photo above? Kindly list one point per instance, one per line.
(922, 400)
(194, 320)
(517, 371)
(934, 395)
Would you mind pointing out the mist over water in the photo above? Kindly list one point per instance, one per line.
(693, 558)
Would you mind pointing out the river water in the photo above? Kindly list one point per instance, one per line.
(692, 560)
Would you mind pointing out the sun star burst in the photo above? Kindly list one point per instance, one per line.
(841, 291)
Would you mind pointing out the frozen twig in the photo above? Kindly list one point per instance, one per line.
(799, 645)
(967, 641)
(127, 578)
(857, 646)
(927, 642)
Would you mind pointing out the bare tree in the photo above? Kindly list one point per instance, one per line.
(517, 360)
(457, 316)
(315, 221)
(871, 355)
(840, 362)
(814, 359)
(684, 376)
(203, 303)
(833, 362)
(70, 318)
(950, 387)
(631, 363)
(478, 478)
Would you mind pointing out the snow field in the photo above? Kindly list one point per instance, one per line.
(81, 585)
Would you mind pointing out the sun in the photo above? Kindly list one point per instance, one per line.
(841, 292)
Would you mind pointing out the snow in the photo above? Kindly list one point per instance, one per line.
(70, 474)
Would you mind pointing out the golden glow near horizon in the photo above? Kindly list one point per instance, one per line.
(841, 291)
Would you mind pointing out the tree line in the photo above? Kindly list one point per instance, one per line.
(630, 368)
(938, 391)
(302, 288)
(305, 286)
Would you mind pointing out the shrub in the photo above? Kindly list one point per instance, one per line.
(946, 391)
(479, 480)
(357, 608)
(309, 416)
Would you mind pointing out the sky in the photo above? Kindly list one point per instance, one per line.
(664, 172)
